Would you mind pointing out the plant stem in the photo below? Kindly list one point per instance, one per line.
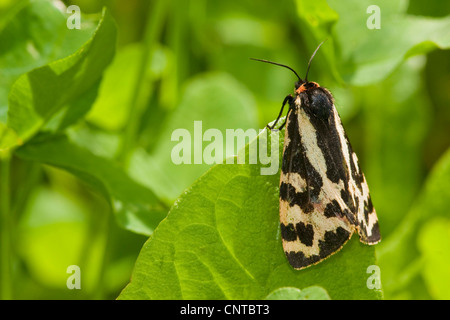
(153, 29)
(95, 255)
(106, 247)
(33, 174)
(5, 230)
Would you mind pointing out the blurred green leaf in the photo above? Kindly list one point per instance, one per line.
(309, 293)
(219, 102)
(246, 30)
(366, 56)
(99, 142)
(136, 207)
(33, 36)
(38, 95)
(400, 36)
(397, 116)
(318, 18)
(51, 232)
(110, 110)
(221, 240)
(433, 243)
(433, 8)
(400, 250)
(8, 139)
(112, 107)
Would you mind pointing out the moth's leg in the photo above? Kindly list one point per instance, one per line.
(289, 99)
(282, 126)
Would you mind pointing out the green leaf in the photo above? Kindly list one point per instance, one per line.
(34, 36)
(118, 85)
(136, 207)
(318, 18)
(400, 251)
(433, 242)
(116, 90)
(51, 234)
(219, 102)
(397, 116)
(288, 293)
(400, 36)
(41, 93)
(221, 240)
(366, 56)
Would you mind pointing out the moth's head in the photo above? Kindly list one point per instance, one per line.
(305, 86)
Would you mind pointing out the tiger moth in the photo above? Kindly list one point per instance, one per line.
(324, 196)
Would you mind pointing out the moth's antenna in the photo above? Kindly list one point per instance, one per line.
(279, 64)
(309, 63)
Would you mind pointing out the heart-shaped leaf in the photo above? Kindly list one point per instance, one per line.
(221, 240)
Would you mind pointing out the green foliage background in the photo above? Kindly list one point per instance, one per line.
(86, 118)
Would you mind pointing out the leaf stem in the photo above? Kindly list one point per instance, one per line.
(5, 230)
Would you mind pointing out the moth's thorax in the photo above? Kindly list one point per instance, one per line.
(314, 100)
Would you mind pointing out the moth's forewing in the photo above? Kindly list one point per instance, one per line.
(324, 196)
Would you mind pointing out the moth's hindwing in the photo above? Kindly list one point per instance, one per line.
(324, 196)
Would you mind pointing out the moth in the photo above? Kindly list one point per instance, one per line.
(324, 196)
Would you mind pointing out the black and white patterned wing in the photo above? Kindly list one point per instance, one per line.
(324, 197)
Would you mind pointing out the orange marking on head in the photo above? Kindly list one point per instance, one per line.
(307, 86)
